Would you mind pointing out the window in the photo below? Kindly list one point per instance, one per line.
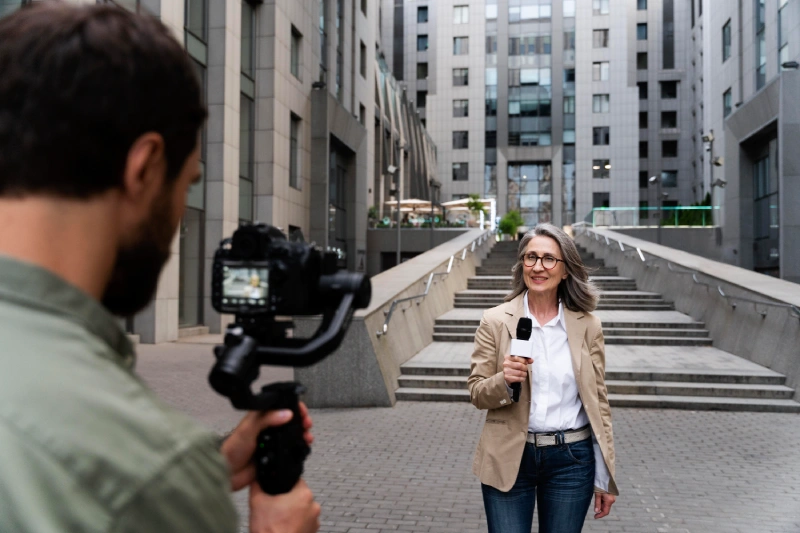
(727, 101)
(461, 15)
(600, 136)
(460, 139)
(246, 138)
(422, 71)
(422, 98)
(600, 7)
(491, 44)
(726, 41)
(600, 71)
(641, 32)
(669, 90)
(569, 8)
(601, 168)
(460, 171)
(247, 42)
(362, 114)
(643, 179)
(642, 85)
(295, 58)
(569, 75)
(569, 104)
(294, 152)
(641, 61)
(669, 119)
(490, 140)
(669, 148)
(461, 77)
(422, 43)
(460, 108)
(600, 103)
(642, 120)
(783, 33)
(643, 148)
(422, 14)
(195, 18)
(668, 35)
(601, 199)
(669, 178)
(491, 10)
(641, 5)
(761, 44)
(460, 46)
(569, 40)
(600, 39)
(364, 7)
(363, 57)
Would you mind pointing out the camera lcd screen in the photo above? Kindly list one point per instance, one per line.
(245, 286)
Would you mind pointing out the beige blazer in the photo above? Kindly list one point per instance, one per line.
(503, 439)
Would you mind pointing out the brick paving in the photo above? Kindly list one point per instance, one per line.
(408, 468)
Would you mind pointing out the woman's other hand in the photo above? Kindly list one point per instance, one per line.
(515, 369)
(602, 504)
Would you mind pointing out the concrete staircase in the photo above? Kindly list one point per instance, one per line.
(655, 356)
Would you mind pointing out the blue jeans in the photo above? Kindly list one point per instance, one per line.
(564, 477)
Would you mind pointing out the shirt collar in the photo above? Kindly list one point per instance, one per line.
(34, 287)
(558, 320)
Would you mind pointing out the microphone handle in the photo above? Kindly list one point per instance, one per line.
(515, 389)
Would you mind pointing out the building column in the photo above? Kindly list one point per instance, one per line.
(222, 167)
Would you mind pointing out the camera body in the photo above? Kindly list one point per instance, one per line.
(259, 272)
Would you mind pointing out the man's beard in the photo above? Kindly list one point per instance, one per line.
(138, 265)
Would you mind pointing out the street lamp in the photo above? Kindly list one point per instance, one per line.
(397, 193)
(656, 180)
(435, 188)
(714, 162)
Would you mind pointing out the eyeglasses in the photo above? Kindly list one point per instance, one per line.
(548, 261)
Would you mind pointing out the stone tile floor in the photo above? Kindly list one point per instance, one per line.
(408, 468)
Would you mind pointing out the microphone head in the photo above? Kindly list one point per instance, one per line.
(524, 328)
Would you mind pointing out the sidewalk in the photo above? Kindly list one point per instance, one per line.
(409, 468)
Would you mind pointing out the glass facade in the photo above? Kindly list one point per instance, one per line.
(530, 191)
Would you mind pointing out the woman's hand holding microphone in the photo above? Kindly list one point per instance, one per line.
(515, 369)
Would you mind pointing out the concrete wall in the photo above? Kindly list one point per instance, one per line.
(705, 242)
(381, 240)
(766, 335)
(363, 372)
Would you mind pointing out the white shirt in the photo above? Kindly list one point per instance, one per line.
(555, 400)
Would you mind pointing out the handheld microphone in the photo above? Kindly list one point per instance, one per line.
(521, 347)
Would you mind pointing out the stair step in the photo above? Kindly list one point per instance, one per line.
(699, 403)
(433, 382)
(678, 376)
(431, 395)
(659, 341)
(712, 390)
(652, 332)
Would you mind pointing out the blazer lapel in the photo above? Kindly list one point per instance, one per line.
(576, 330)
(514, 312)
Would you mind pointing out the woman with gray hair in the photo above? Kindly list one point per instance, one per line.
(554, 445)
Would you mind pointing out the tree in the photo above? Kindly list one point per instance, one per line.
(475, 206)
(510, 222)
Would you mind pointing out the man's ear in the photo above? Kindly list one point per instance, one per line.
(145, 169)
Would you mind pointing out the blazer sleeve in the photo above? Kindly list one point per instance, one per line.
(487, 386)
(598, 355)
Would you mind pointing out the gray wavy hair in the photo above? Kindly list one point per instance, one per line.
(576, 292)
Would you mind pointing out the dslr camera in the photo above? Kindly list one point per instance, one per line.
(264, 280)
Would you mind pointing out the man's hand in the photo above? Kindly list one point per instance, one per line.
(239, 447)
(293, 512)
(602, 504)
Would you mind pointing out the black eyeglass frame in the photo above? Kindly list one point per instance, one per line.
(542, 258)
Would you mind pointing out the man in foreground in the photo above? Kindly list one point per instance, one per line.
(100, 114)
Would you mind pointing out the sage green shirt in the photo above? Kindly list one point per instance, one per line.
(85, 446)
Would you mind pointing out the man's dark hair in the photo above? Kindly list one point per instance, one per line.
(78, 85)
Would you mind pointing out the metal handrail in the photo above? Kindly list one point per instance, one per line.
(791, 308)
(470, 248)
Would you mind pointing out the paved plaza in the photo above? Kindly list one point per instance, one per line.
(408, 468)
